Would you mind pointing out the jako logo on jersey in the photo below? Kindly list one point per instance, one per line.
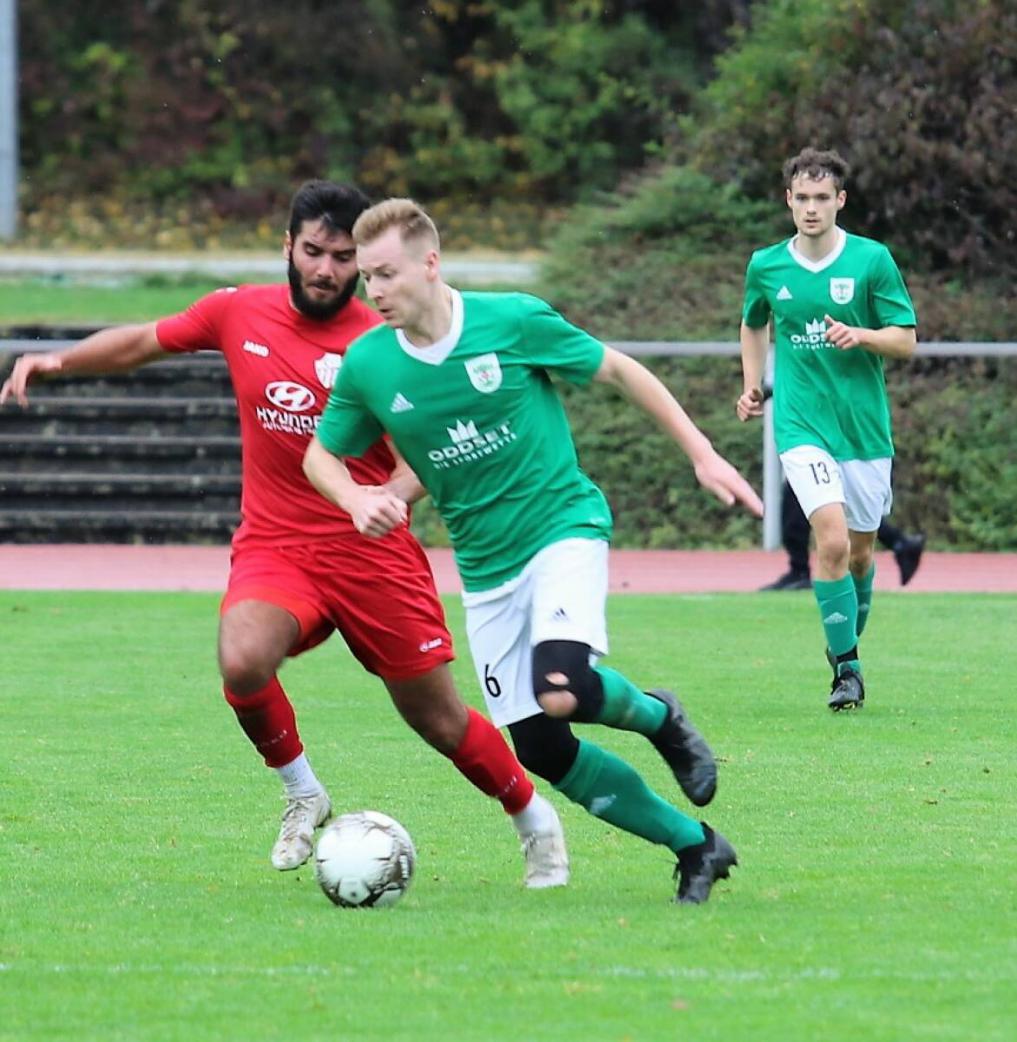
(842, 291)
(293, 397)
(255, 349)
(326, 369)
(484, 373)
(469, 445)
(430, 645)
(814, 338)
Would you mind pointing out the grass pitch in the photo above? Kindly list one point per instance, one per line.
(84, 302)
(876, 898)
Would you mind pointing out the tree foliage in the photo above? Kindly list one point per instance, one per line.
(468, 98)
(919, 95)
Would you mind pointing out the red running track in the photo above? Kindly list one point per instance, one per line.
(102, 567)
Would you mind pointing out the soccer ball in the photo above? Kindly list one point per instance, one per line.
(364, 860)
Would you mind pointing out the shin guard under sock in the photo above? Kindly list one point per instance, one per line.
(610, 789)
(485, 759)
(863, 588)
(838, 608)
(626, 707)
(268, 720)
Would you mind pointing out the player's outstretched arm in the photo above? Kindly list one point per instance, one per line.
(643, 389)
(374, 510)
(754, 344)
(115, 350)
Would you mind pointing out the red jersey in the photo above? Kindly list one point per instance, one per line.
(282, 365)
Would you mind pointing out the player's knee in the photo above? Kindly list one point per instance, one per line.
(564, 682)
(544, 746)
(244, 671)
(860, 562)
(833, 553)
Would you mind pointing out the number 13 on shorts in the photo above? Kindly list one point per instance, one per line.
(862, 486)
(814, 476)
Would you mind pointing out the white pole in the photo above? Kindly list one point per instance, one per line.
(773, 477)
(8, 119)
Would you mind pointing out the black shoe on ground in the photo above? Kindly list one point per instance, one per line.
(699, 867)
(907, 552)
(790, 581)
(847, 691)
(685, 751)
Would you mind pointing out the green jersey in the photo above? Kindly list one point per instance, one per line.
(477, 418)
(822, 395)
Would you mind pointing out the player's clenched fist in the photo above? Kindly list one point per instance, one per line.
(376, 511)
(749, 404)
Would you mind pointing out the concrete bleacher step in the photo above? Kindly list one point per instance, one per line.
(60, 525)
(188, 376)
(22, 488)
(100, 484)
(151, 456)
(133, 414)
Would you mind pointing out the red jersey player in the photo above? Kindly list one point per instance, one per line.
(299, 569)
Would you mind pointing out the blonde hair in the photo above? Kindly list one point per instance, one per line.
(413, 222)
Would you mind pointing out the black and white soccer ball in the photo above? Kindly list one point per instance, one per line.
(364, 859)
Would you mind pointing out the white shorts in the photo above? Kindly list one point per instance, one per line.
(561, 594)
(862, 485)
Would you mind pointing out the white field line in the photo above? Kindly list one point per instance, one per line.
(684, 973)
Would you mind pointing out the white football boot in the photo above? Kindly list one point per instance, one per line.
(547, 860)
(302, 816)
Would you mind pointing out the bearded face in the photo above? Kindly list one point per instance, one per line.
(322, 270)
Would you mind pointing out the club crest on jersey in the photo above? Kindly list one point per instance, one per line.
(326, 369)
(484, 373)
(842, 291)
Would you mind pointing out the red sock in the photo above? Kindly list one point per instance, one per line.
(268, 719)
(486, 760)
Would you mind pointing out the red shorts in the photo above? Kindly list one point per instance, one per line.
(377, 593)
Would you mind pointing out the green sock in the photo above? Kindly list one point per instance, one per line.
(626, 707)
(838, 608)
(863, 588)
(610, 789)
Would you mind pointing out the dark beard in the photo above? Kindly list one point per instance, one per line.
(321, 311)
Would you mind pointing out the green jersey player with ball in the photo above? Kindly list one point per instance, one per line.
(462, 383)
(838, 306)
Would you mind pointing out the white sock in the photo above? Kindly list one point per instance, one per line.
(538, 816)
(299, 779)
